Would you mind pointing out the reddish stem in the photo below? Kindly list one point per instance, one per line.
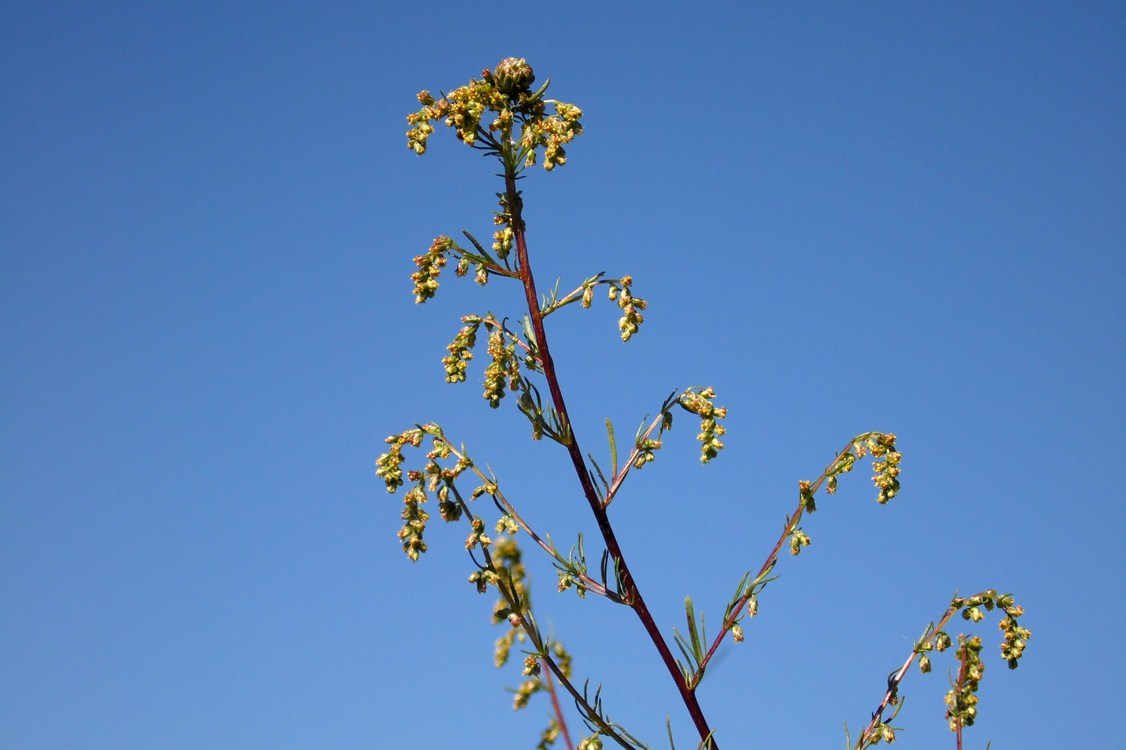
(631, 593)
(557, 709)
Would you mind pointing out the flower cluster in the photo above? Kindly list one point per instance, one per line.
(961, 700)
(507, 558)
(552, 133)
(430, 267)
(886, 464)
(699, 402)
(432, 478)
(503, 372)
(631, 317)
(505, 91)
(460, 349)
(1015, 637)
(461, 109)
(505, 236)
(798, 539)
(645, 452)
(886, 467)
(504, 368)
(387, 465)
(414, 523)
(477, 536)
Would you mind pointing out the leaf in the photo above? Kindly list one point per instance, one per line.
(601, 477)
(613, 447)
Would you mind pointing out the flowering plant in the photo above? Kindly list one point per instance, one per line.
(501, 115)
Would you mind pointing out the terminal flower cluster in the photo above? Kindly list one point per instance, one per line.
(505, 92)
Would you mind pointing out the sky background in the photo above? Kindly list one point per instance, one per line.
(905, 217)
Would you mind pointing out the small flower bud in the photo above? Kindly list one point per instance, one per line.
(513, 76)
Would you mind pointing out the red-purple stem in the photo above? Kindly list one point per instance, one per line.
(631, 593)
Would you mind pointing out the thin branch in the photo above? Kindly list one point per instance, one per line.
(559, 719)
(632, 592)
(512, 598)
(617, 479)
(589, 583)
(772, 558)
(897, 677)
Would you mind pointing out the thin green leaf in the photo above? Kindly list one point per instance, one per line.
(598, 471)
(613, 446)
(693, 631)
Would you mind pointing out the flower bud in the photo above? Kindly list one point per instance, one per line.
(513, 76)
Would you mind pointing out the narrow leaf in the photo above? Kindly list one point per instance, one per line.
(613, 446)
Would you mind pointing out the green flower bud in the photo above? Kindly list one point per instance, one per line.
(513, 76)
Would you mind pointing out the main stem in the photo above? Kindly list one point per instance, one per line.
(631, 593)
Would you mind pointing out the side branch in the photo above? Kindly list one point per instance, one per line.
(839, 465)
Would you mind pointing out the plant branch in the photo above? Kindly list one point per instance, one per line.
(772, 558)
(631, 592)
(522, 616)
(589, 583)
(559, 719)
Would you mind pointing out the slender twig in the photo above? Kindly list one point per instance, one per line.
(588, 582)
(512, 598)
(772, 558)
(630, 589)
(617, 479)
(893, 682)
(958, 689)
(559, 719)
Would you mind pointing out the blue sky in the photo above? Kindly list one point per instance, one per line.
(846, 217)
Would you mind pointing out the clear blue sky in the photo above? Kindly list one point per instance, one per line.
(896, 216)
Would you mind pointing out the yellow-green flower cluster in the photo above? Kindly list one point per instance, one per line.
(432, 478)
(1015, 637)
(798, 539)
(549, 735)
(524, 693)
(387, 465)
(414, 523)
(505, 91)
(502, 241)
(551, 133)
(430, 267)
(477, 536)
(886, 463)
(507, 558)
(631, 306)
(460, 349)
(699, 402)
(505, 236)
(886, 466)
(883, 732)
(646, 452)
(461, 109)
(961, 700)
(504, 368)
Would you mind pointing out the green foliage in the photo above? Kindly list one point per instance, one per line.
(500, 115)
